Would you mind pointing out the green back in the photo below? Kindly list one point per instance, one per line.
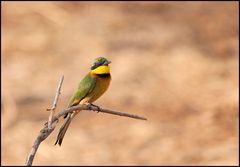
(84, 88)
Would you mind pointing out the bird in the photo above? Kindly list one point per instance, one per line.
(90, 88)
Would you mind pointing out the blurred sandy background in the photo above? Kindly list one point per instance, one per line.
(174, 63)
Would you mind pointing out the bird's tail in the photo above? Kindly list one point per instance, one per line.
(64, 128)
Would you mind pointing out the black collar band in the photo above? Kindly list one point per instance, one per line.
(106, 75)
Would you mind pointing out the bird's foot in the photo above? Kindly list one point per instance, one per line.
(93, 105)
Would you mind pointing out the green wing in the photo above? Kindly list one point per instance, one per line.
(85, 87)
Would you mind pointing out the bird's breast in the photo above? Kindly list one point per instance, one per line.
(102, 84)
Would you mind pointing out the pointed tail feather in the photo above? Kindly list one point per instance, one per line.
(64, 128)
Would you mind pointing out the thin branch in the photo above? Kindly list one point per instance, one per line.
(55, 103)
(46, 131)
(117, 113)
(93, 108)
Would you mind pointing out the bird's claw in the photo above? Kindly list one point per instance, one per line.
(93, 105)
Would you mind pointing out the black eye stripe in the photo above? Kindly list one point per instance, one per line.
(98, 64)
(95, 65)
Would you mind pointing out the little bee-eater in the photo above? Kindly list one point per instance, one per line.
(92, 86)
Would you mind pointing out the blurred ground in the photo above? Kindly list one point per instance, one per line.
(174, 63)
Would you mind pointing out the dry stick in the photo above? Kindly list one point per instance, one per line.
(55, 103)
(45, 132)
(93, 108)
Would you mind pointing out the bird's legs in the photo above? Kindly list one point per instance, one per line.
(93, 105)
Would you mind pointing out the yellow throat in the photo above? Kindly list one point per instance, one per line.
(101, 70)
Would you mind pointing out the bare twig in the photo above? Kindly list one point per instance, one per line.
(55, 103)
(118, 113)
(45, 131)
(93, 108)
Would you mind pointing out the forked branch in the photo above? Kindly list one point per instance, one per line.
(49, 127)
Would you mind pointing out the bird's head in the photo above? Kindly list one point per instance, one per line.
(100, 61)
(100, 66)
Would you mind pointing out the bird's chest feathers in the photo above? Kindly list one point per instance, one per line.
(102, 84)
(103, 78)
